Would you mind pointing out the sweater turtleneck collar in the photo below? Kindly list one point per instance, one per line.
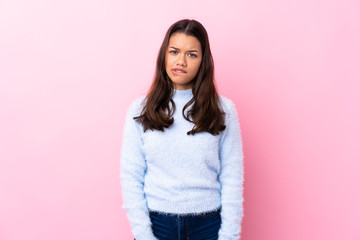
(183, 94)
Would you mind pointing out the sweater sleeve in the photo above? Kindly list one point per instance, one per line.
(231, 176)
(133, 168)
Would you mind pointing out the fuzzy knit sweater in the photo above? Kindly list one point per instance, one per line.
(172, 172)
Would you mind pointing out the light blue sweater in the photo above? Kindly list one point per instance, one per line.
(173, 172)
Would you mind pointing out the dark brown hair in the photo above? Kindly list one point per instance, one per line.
(206, 112)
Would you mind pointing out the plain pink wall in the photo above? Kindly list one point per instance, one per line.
(69, 70)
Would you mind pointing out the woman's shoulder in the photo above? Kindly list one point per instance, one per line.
(137, 105)
(226, 103)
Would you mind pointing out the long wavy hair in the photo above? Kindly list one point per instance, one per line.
(206, 112)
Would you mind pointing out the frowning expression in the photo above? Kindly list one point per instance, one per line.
(183, 59)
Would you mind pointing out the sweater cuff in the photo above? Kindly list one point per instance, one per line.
(146, 235)
(222, 237)
(226, 236)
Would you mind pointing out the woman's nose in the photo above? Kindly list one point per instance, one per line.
(181, 60)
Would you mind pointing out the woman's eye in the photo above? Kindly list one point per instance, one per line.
(192, 55)
(173, 52)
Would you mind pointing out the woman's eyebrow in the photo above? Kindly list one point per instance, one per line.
(188, 51)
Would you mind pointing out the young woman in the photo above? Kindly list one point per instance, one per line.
(182, 158)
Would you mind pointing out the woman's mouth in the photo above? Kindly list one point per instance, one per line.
(177, 70)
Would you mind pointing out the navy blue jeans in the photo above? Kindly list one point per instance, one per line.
(186, 227)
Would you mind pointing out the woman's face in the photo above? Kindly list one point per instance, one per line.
(182, 60)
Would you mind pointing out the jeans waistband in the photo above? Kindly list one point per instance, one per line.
(185, 214)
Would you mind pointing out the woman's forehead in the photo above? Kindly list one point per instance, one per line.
(183, 41)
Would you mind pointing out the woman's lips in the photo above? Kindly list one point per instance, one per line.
(177, 70)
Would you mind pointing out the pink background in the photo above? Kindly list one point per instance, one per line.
(69, 70)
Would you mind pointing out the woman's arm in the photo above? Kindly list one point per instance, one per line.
(231, 176)
(133, 167)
